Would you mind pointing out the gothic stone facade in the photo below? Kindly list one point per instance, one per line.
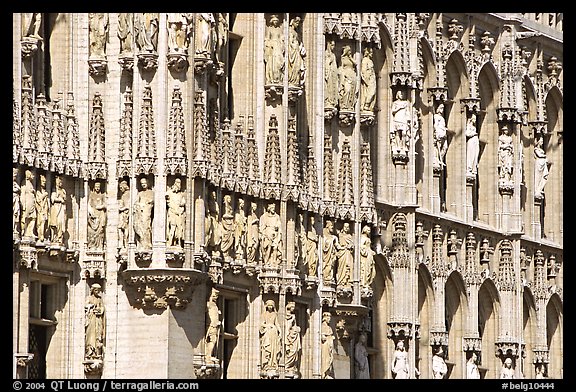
(287, 195)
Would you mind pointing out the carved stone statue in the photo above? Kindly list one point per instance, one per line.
(507, 369)
(270, 338)
(472, 371)
(274, 51)
(505, 155)
(95, 325)
(146, 29)
(16, 207)
(439, 368)
(292, 340)
(227, 244)
(361, 366)
(331, 86)
(143, 216)
(400, 368)
(222, 36)
(205, 24)
(270, 237)
(125, 32)
(345, 255)
(367, 265)
(329, 251)
(312, 248)
(348, 85)
(31, 25)
(98, 31)
(42, 208)
(123, 214)
(401, 123)
(327, 348)
(240, 229)
(212, 231)
(176, 214)
(472, 146)
(213, 327)
(440, 136)
(253, 234)
(96, 217)
(28, 201)
(179, 31)
(57, 218)
(541, 169)
(296, 55)
(368, 82)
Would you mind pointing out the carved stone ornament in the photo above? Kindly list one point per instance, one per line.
(270, 279)
(162, 288)
(206, 370)
(397, 329)
(94, 265)
(29, 46)
(177, 61)
(97, 67)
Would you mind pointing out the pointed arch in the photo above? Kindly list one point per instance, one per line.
(456, 313)
(458, 86)
(425, 317)
(529, 328)
(380, 315)
(488, 132)
(488, 327)
(555, 336)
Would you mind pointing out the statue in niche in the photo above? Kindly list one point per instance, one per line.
(96, 217)
(227, 242)
(146, 26)
(329, 252)
(327, 349)
(240, 228)
(440, 135)
(57, 218)
(213, 327)
(367, 264)
(345, 256)
(507, 369)
(400, 366)
(42, 208)
(331, 86)
(123, 214)
(175, 214)
(179, 31)
(540, 371)
(95, 325)
(212, 233)
(252, 235)
(28, 202)
(311, 257)
(222, 36)
(541, 168)
(16, 207)
(143, 215)
(125, 27)
(472, 146)
(293, 343)
(505, 155)
(98, 28)
(270, 237)
(274, 52)
(368, 82)
(270, 338)
(439, 367)
(361, 367)
(472, 371)
(400, 123)
(31, 25)
(348, 88)
(296, 55)
(204, 30)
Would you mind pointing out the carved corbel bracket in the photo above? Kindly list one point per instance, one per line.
(94, 265)
(162, 288)
(148, 61)
(204, 369)
(399, 330)
(506, 348)
(177, 61)
(472, 344)
(270, 279)
(291, 282)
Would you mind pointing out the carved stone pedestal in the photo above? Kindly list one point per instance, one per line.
(206, 368)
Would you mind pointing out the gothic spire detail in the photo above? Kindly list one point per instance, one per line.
(345, 184)
(200, 137)
(145, 162)
(272, 174)
(400, 255)
(124, 163)
(293, 158)
(506, 274)
(227, 159)
(176, 161)
(240, 148)
(254, 178)
(16, 129)
(367, 207)
(73, 161)
(28, 124)
(96, 165)
(44, 134)
(58, 137)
